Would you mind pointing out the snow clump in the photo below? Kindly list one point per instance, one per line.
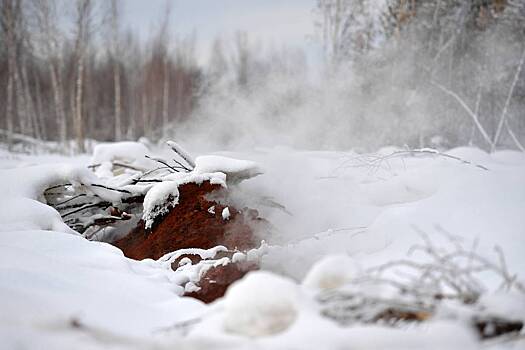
(260, 304)
(331, 272)
(159, 200)
(226, 213)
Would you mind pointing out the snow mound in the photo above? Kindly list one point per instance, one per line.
(331, 272)
(509, 157)
(260, 304)
(236, 170)
(49, 278)
(128, 152)
(23, 214)
(36, 179)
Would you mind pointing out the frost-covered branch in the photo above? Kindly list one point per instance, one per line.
(503, 117)
(375, 161)
(182, 153)
(408, 290)
(468, 110)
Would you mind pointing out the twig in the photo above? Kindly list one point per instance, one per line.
(163, 162)
(182, 153)
(87, 206)
(70, 199)
(110, 188)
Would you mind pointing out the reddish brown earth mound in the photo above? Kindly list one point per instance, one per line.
(191, 225)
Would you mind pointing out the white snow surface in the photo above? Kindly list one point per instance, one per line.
(159, 200)
(128, 152)
(226, 213)
(60, 291)
(235, 169)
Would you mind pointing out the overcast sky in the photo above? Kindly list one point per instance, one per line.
(269, 22)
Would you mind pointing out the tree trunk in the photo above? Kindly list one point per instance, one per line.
(145, 111)
(59, 104)
(9, 108)
(39, 109)
(79, 128)
(165, 96)
(9, 22)
(32, 120)
(116, 68)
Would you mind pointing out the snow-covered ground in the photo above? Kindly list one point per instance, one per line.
(340, 212)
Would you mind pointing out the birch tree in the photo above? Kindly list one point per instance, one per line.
(83, 14)
(49, 39)
(10, 13)
(163, 43)
(115, 54)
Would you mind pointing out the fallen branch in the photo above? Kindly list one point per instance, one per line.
(182, 153)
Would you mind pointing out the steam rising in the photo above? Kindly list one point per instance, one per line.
(385, 95)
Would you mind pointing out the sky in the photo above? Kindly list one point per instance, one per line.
(270, 23)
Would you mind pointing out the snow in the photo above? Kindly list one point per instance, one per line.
(343, 214)
(235, 169)
(32, 181)
(159, 200)
(132, 153)
(182, 153)
(331, 272)
(215, 178)
(24, 214)
(65, 277)
(260, 304)
(226, 213)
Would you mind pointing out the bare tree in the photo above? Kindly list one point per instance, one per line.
(83, 14)
(46, 19)
(163, 43)
(241, 60)
(115, 54)
(217, 65)
(10, 13)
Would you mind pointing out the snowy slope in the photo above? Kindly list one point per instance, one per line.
(59, 291)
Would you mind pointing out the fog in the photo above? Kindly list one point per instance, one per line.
(402, 93)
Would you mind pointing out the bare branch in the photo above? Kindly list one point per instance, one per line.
(507, 102)
(468, 110)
